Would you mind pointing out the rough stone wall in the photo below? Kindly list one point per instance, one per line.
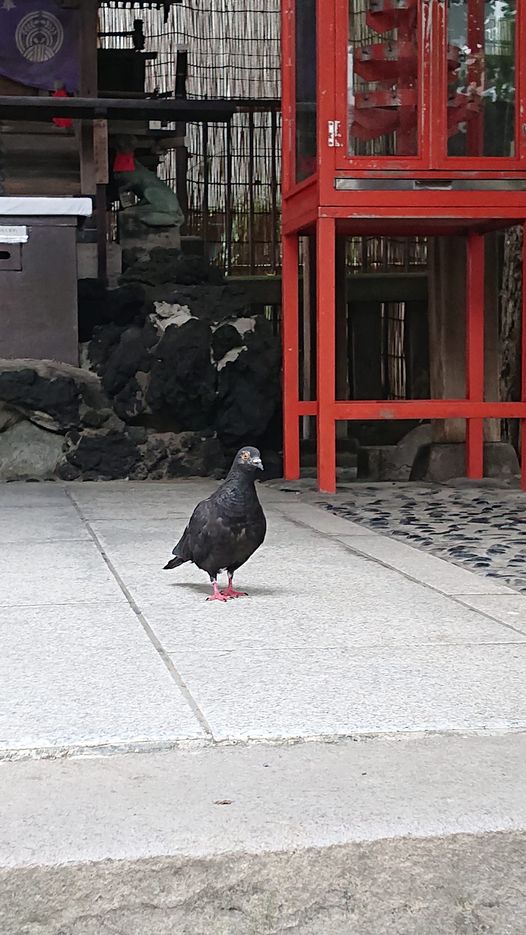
(176, 374)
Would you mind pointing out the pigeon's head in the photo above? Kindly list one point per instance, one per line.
(248, 460)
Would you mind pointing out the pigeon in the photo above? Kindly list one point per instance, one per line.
(226, 528)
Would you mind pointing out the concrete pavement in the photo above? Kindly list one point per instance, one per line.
(360, 716)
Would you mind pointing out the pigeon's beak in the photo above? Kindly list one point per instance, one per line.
(257, 462)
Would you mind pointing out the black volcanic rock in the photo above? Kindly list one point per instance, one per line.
(110, 455)
(249, 388)
(183, 378)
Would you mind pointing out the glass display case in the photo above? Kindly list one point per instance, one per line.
(401, 118)
(305, 90)
(384, 62)
(416, 85)
(482, 99)
(430, 84)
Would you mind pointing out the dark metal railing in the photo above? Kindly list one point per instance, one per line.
(233, 185)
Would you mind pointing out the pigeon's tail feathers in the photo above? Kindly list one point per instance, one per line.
(175, 562)
(179, 552)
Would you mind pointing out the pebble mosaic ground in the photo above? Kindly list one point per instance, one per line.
(483, 529)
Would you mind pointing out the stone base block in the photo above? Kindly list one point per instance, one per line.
(439, 463)
(394, 462)
(134, 234)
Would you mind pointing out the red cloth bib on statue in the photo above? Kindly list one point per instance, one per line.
(124, 162)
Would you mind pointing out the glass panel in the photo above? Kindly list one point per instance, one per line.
(481, 77)
(305, 88)
(383, 63)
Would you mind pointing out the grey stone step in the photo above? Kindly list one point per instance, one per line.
(343, 474)
(342, 444)
(343, 459)
(401, 835)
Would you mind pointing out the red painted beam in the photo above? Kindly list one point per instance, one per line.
(391, 410)
(307, 409)
(326, 352)
(428, 409)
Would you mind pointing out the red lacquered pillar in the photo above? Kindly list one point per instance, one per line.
(290, 337)
(326, 352)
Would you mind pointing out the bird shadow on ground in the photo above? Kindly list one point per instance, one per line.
(252, 590)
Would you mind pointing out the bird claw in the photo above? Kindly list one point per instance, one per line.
(217, 595)
(229, 593)
(225, 594)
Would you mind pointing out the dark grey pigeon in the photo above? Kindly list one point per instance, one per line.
(226, 528)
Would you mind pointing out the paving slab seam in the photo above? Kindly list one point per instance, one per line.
(117, 603)
(355, 550)
(460, 599)
(371, 647)
(456, 598)
(152, 518)
(166, 658)
(195, 745)
(429, 587)
(22, 541)
(101, 751)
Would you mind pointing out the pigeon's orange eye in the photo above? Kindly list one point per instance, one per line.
(245, 456)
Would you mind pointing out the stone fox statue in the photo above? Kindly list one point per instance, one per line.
(158, 205)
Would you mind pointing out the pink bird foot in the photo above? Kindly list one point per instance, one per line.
(231, 592)
(217, 595)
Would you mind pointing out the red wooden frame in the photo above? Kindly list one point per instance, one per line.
(432, 86)
(317, 205)
(365, 163)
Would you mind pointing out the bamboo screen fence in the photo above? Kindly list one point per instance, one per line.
(233, 172)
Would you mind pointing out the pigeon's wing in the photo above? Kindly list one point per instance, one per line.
(182, 548)
(249, 537)
(206, 538)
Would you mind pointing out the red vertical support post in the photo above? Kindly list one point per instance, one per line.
(475, 300)
(290, 336)
(326, 352)
(523, 360)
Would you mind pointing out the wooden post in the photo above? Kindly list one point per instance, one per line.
(447, 330)
(475, 296)
(206, 180)
(326, 352)
(181, 152)
(492, 344)
(100, 147)
(228, 200)
(290, 332)
(342, 339)
(88, 17)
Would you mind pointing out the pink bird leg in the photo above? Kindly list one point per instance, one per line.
(217, 594)
(230, 591)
